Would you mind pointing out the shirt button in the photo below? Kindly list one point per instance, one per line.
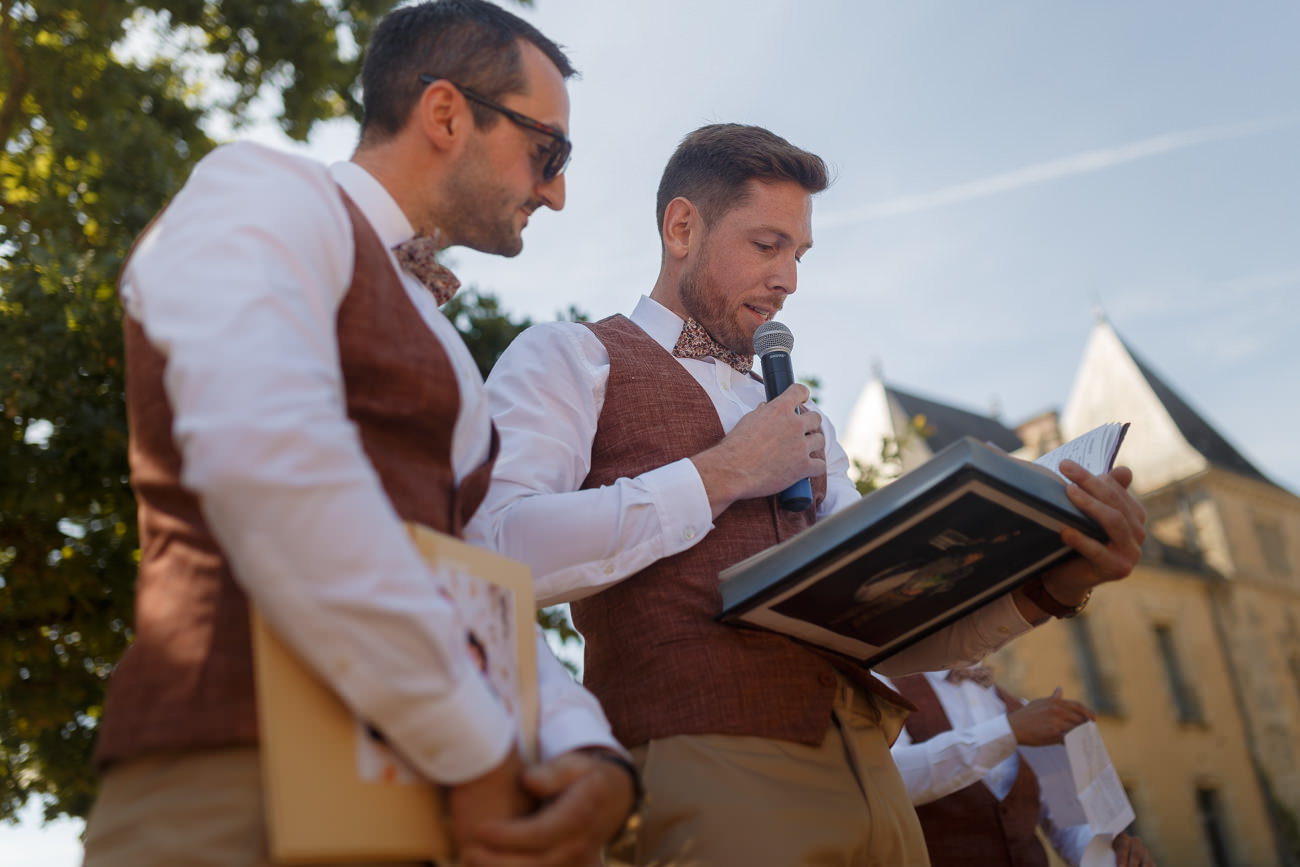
(1003, 629)
(609, 569)
(688, 534)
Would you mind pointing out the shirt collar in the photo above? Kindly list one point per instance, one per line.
(375, 202)
(662, 324)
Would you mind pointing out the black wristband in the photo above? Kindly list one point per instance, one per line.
(626, 764)
(638, 792)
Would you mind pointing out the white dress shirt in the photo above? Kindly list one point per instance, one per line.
(980, 748)
(547, 391)
(238, 284)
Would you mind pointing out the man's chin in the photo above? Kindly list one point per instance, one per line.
(506, 247)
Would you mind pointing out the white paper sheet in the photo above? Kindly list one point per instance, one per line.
(1096, 782)
(1080, 785)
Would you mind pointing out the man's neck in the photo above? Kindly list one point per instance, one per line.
(666, 293)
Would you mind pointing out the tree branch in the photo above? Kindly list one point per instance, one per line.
(21, 81)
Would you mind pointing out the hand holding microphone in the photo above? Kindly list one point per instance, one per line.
(772, 344)
(768, 447)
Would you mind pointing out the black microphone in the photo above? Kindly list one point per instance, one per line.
(772, 344)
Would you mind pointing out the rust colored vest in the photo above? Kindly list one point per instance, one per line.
(971, 826)
(655, 657)
(186, 682)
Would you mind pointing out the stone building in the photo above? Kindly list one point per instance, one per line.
(1193, 663)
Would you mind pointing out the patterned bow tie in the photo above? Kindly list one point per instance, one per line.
(980, 674)
(419, 258)
(695, 342)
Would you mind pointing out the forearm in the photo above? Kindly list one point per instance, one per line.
(570, 716)
(580, 542)
(953, 760)
(962, 643)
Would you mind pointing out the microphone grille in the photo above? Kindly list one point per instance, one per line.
(771, 337)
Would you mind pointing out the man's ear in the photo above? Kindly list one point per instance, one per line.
(683, 227)
(443, 115)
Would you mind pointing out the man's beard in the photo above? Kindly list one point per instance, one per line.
(482, 214)
(709, 310)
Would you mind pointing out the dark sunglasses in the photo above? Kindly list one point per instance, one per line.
(560, 149)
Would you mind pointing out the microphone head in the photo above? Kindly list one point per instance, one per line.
(772, 336)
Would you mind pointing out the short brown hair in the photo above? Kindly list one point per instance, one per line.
(712, 167)
(472, 43)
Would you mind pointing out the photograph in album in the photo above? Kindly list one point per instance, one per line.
(959, 531)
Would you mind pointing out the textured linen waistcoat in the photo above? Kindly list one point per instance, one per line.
(186, 682)
(971, 826)
(655, 657)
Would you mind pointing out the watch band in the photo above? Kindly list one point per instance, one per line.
(1036, 592)
(630, 824)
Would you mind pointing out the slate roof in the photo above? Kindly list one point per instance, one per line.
(951, 424)
(1196, 430)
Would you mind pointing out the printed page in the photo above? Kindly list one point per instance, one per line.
(1094, 451)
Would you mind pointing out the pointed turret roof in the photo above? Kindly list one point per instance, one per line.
(951, 423)
(1199, 433)
(1168, 440)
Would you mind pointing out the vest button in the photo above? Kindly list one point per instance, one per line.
(826, 678)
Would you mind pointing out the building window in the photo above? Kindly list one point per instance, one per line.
(1211, 816)
(1189, 710)
(1187, 517)
(1273, 545)
(1101, 697)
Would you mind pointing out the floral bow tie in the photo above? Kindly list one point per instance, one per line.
(695, 342)
(419, 258)
(980, 674)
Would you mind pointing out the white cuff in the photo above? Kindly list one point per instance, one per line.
(996, 732)
(682, 504)
(462, 736)
(573, 729)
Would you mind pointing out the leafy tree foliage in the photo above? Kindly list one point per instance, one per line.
(105, 106)
(889, 466)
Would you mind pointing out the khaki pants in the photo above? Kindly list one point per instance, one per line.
(719, 800)
(184, 809)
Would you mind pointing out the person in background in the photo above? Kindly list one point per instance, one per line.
(294, 396)
(640, 456)
(979, 804)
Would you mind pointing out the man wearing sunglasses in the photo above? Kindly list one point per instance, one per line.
(294, 395)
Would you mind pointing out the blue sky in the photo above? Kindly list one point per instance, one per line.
(1002, 169)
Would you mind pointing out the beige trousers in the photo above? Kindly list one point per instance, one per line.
(197, 809)
(719, 801)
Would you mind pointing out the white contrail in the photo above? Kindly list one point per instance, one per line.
(1090, 161)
